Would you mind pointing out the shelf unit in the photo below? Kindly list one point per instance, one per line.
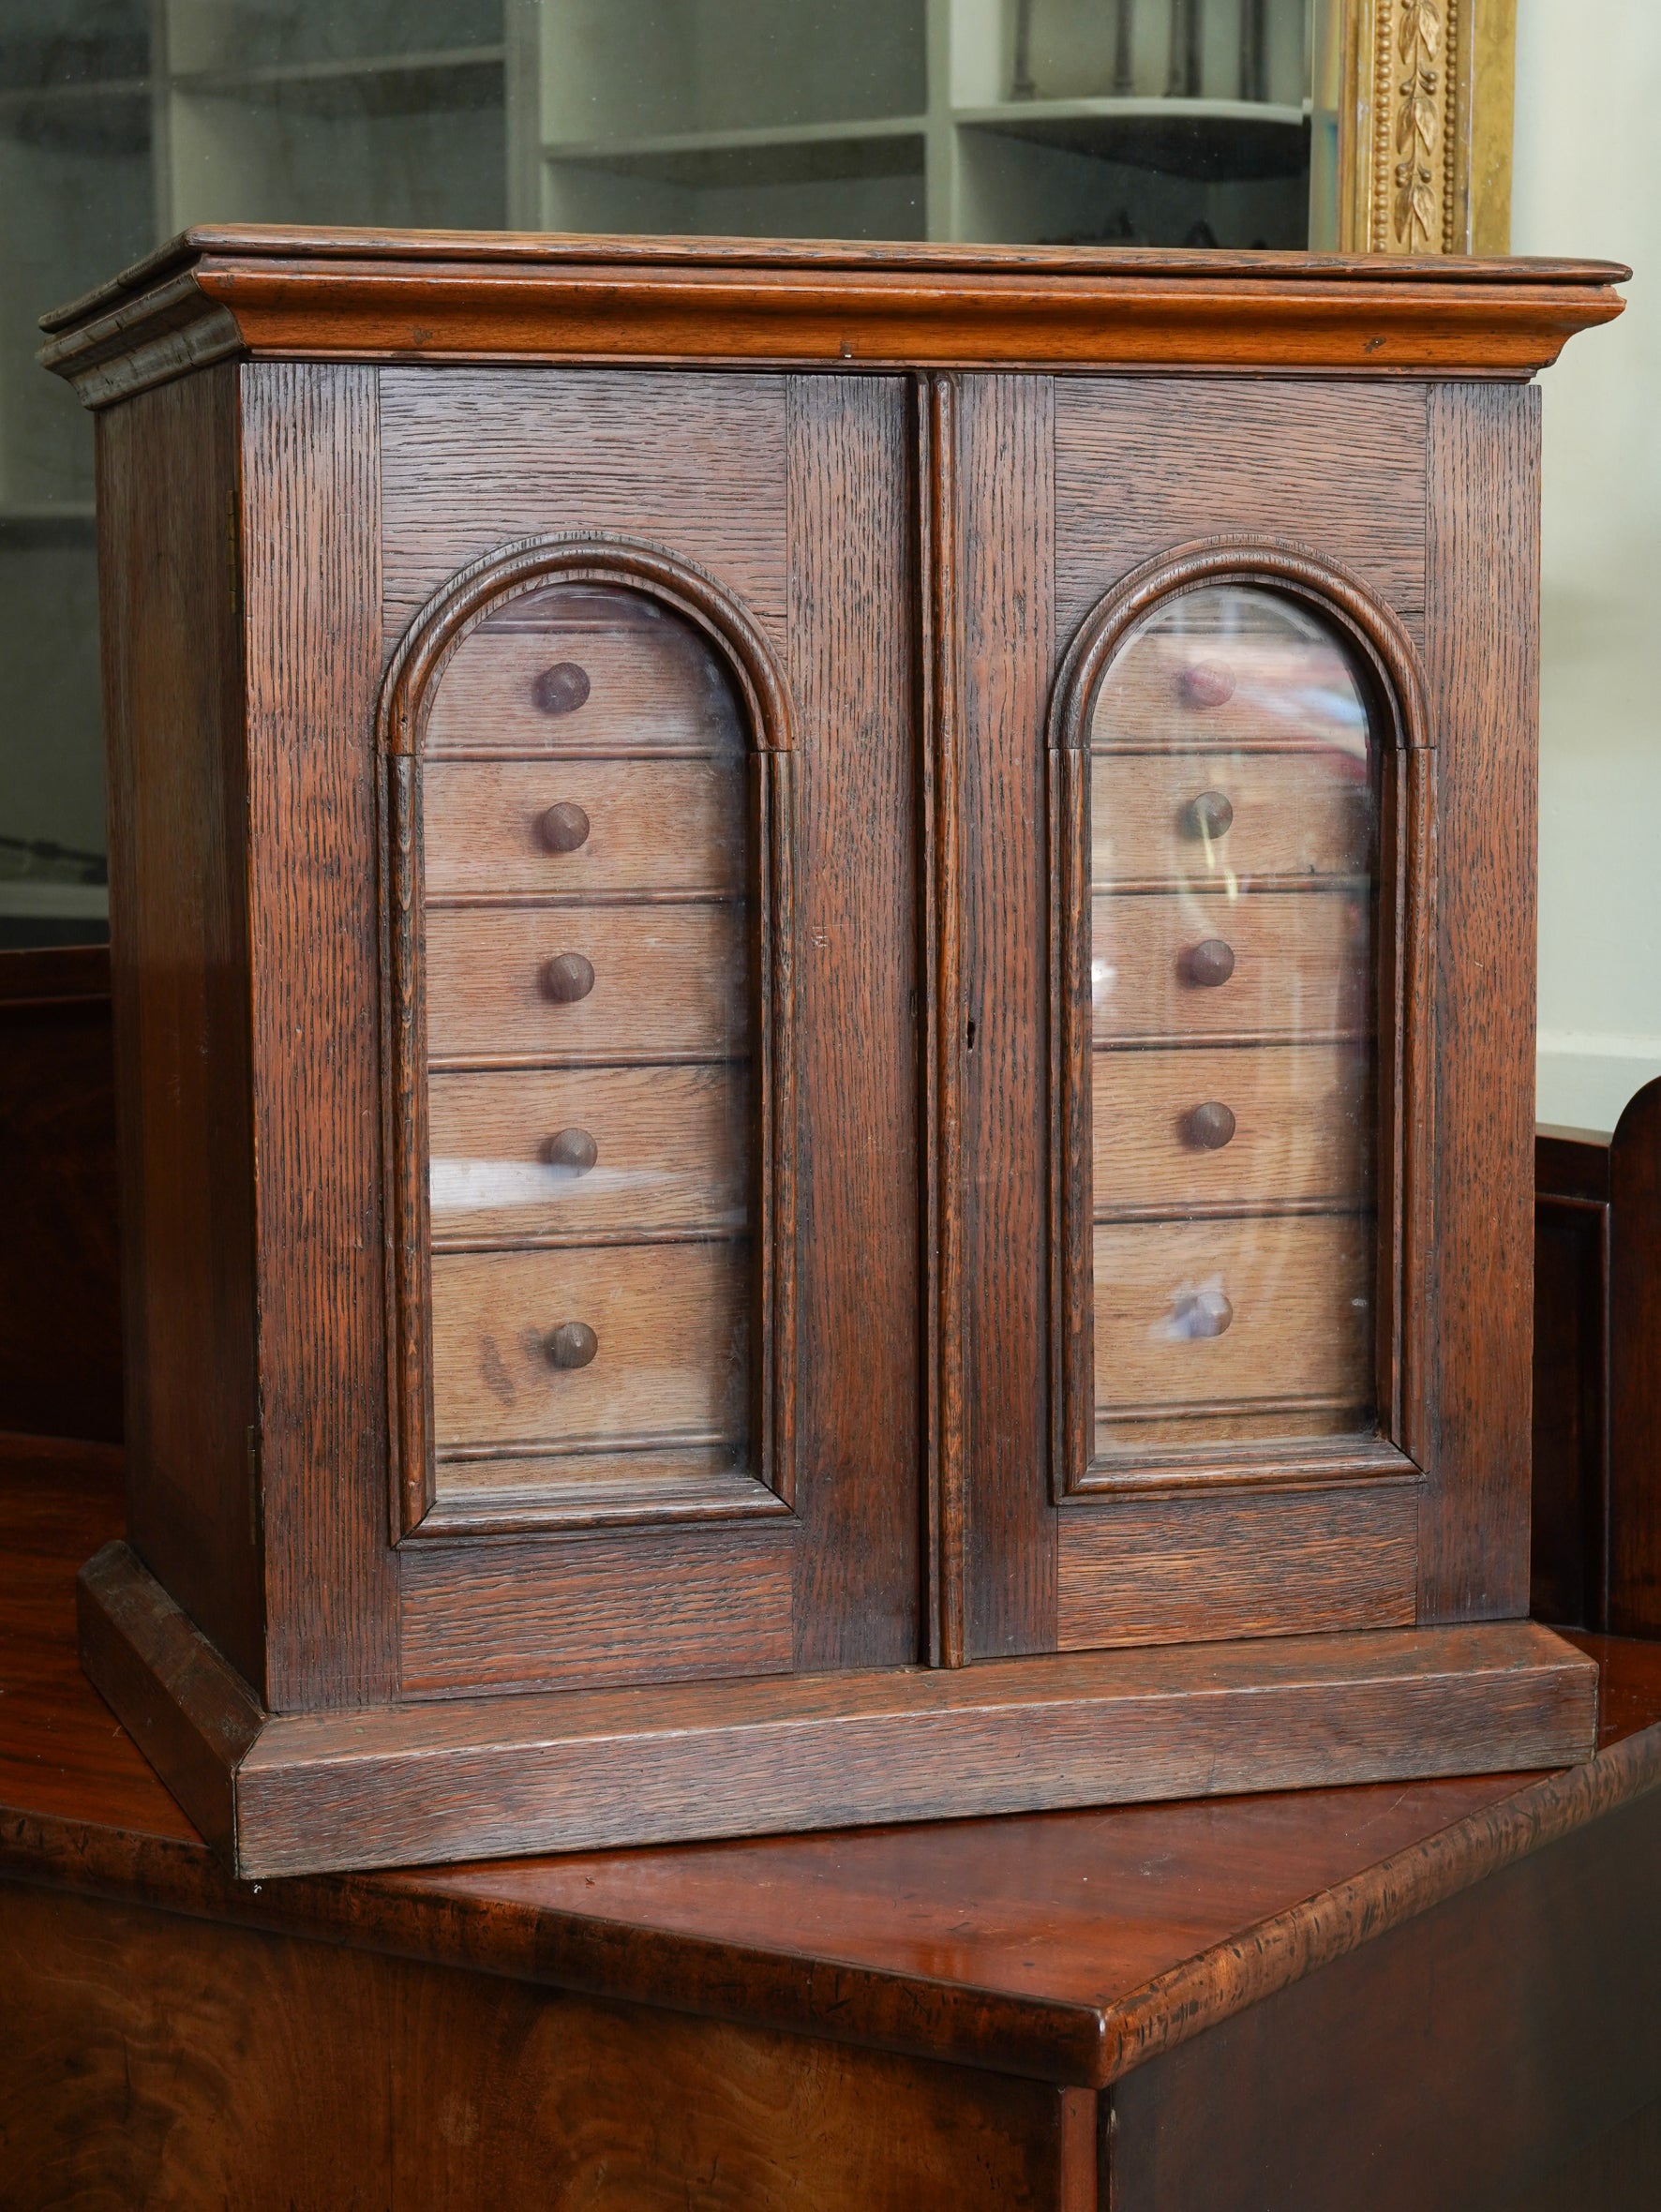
(122, 121)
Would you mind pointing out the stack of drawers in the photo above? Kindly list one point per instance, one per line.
(1233, 826)
(588, 1013)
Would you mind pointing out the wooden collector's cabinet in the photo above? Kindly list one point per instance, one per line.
(824, 977)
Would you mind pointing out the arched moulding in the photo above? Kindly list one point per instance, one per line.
(1386, 667)
(475, 595)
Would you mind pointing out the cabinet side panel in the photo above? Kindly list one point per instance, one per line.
(311, 523)
(1005, 502)
(168, 500)
(1481, 641)
(850, 662)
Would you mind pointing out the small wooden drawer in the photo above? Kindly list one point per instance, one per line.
(1197, 1314)
(627, 678)
(668, 981)
(1199, 817)
(1162, 1137)
(1281, 691)
(521, 829)
(671, 1147)
(670, 1359)
(1202, 963)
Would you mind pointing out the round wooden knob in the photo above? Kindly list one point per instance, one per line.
(569, 976)
(562, 688)
(1210, 1126)
(573, 1344)
(1205, 684)
(1212, 814)
(1211, 962)
(565, 826)
(574, 1149)
(1204, 1313)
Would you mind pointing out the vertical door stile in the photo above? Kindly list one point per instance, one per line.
(939, 664)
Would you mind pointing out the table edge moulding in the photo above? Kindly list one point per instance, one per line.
(239, 376)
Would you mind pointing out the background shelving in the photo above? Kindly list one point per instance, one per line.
(122, 121)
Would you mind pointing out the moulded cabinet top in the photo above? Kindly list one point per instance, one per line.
(372, 296)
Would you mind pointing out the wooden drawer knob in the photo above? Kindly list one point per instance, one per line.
(568, 976)
(565, 826)
(573, 1344)
(576, 1150)
(1210, 815)
(1211, 963)
(1210, 1126)
(1201, 1314)
(1206, 683)
(562, 688)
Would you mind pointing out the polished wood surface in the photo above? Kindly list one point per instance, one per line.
(933, 2016)
(217, 291)
(1598, 1372)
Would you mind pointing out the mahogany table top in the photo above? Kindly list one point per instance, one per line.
(1066, 1946)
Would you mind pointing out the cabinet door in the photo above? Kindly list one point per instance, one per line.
(1205, 1035)
(651, 946)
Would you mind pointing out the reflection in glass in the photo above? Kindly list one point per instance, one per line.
(1234, 831)
(588, 923)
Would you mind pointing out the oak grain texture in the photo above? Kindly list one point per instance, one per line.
(1295, 1289)
(668, 983)
(652, 1605)
(178, 801)
(671, 1152)
(671, 1321)
(373, 293)
(1144, 464)
(1005, 464)
(653, 826)
(59, 1244)
(158, 2059)
(477, 456)
(1173, 1570)
(850, 661)
(310, 553)
(1290, 816)
(1299, 1135)
(1299, 964)
(1480, 657)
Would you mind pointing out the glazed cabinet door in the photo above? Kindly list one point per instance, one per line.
(1204, 928)
(648, 738)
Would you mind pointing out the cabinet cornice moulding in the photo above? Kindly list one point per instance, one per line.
(360, 296)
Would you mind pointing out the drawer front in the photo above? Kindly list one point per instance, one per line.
(1275, 689)
(655, 826)
(671, 1357)
(672, 1149)
(1297, 1293)
(1301, 1127)
(1300, 965)
(633, 686)
(668, 981)
(1157, 818)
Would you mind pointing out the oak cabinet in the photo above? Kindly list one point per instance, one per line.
(823, 964)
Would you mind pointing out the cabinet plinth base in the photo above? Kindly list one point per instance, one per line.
(476, 1777)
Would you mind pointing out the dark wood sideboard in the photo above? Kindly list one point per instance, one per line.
(1436, 1995)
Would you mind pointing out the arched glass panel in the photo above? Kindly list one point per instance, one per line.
(1233, 811)
(589, 894)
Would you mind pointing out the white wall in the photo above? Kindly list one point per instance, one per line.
(1587, 181)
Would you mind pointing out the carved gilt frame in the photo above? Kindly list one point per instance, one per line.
(1405, 984)
(407, 692)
